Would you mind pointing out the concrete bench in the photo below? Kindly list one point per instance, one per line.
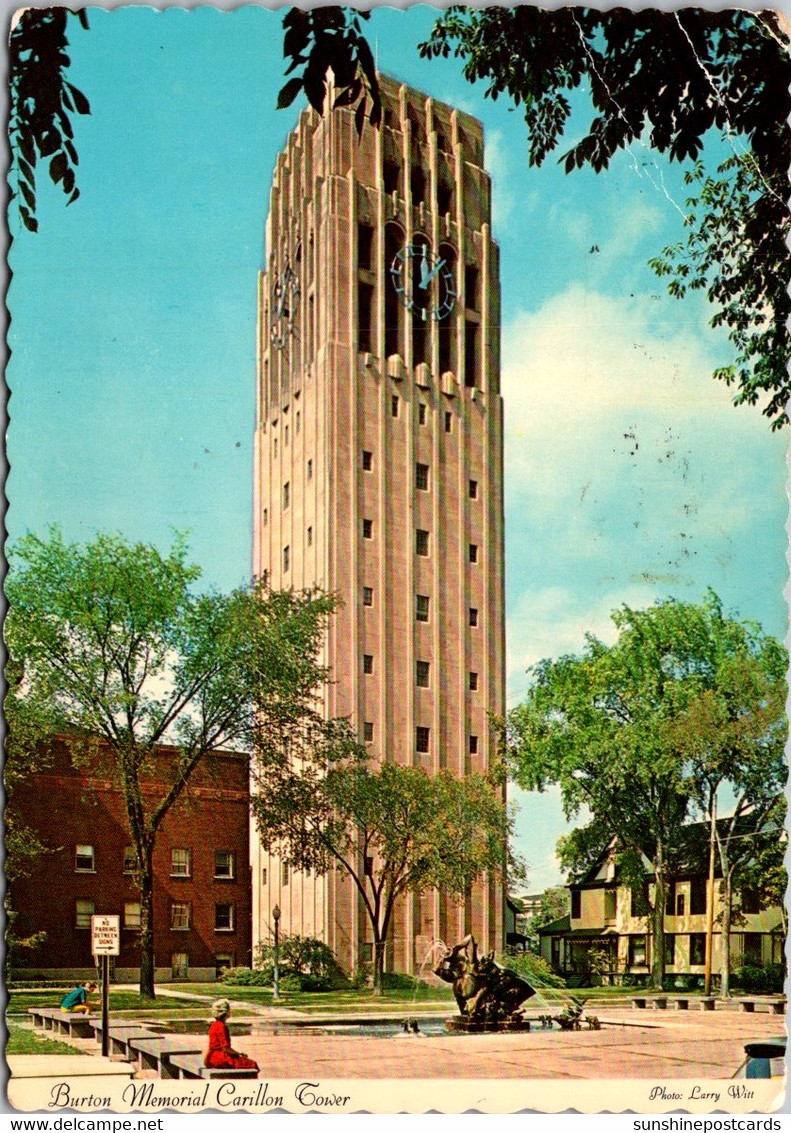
(640, 1001)
(707, 1002)
(120, 1034)
(73, 1023)
(775, 1006)
(153, 1052)
(191, 1066)
(682, 1003)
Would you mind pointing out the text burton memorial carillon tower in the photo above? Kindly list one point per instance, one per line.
(379, 467)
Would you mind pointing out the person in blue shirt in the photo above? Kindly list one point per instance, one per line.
(77, 1000)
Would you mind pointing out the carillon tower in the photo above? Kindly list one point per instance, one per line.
(379, 467)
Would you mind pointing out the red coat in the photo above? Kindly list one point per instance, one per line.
(220, 1055)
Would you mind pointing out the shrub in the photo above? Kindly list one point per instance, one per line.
(532, 968)
(246, 977)
(399, 981)
(310, 961)
(759, 979)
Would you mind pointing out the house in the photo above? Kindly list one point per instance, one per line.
(607, 936)
(202, 885)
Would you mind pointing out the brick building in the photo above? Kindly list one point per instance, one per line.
(201, 870)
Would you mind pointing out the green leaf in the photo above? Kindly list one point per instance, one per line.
(288, 93)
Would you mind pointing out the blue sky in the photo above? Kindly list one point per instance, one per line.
(629, 476)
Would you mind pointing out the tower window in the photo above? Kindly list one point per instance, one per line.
(368, 732)
(297, 423)
(473, 489)
(365, 246)
(310, 469)
(473, 552)
(285, 435)
(368, 529)
(368, 461)
(310, 536)
(394, 405)
(444, 197)
(421, 607)
(422, 739)
(473, 682)
(471, 278)
(421, 542)
(365, 307)
(473, 745)
(266, 517)
(421, 477)
(368, 596)
(473, 616)
(418, 185)
(422, 674)
(286, 494)
(368, 663)
(471, 354)
(421, 414)
(286, 559)
(448, 421)
(392, 177)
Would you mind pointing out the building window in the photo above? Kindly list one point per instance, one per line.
(368, 529)
(368, 460)
(448, 421)
(310, 536)
(310, 470)
(286, 494)
(473, 616)
(284, 873)
(274, 446)
(421, 542)
(365, 246)
(368, 732)
(422, 737)
(576, 904)
(297, 423)
(471, 287)
(473, 682)
(222, 961)
(697, 948)
(368, 663)
(179, 966)
(473, 745)
(264, 876)
(697, 896)
(84, 913)
(637, 951)
(670, 905)
(132, 915)
(473, 552)
(84, 860)
(421, 413)
(224, 864)
(610, 898)
(421, 607)
(130, 859)
(421, 674)
(421, 477)
(285, 435)
(180, 863)
(368, 596)
(223, 918)
(471, 355)
(752, 948)
(473, 489)
(394, 405)
(365, 308)
(266, 517)
(391, 175)
(640, 906)
(180, 916)
(368, 866)
(670, 949)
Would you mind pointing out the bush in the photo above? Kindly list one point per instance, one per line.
(759, 979)
(309, 961)
(246, 977)
(399, 981)
(532, 968)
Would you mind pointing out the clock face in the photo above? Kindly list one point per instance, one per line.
(283, 306)
(424, 281)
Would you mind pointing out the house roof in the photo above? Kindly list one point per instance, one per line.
(562, 924)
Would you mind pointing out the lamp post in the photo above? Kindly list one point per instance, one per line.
(276, 919)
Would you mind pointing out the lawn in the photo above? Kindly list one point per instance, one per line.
(23, 1041)
(343, 1001)
(19, 999)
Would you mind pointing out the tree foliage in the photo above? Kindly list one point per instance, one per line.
(625, 730)
(42, 103)
(666, 80)
(117, 640)
(392, 829)
(330, 38)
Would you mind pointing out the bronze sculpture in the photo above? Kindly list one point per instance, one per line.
(485, 992)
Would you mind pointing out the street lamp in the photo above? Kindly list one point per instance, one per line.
(276, 919)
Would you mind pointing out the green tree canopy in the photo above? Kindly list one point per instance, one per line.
(116, 639)
(613, 728)
(392, 829)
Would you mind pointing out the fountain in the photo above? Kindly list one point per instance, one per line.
(489, 997)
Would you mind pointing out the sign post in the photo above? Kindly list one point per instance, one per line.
(105, 942)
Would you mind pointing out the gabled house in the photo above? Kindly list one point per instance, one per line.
(607, 935)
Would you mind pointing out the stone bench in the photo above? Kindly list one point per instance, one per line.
(191, 1066)
(153, 1052)
(119, 1036)
(76, 1024)
(640, 1001)
(775, 1006)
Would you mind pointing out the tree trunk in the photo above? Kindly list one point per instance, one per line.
(146, 924)
(379, 965)
(725, 948)
(658, 927)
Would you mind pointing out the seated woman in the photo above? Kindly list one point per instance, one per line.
(221, 1055)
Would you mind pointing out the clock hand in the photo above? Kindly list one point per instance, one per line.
(426, 279)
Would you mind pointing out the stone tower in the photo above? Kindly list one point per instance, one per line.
(379, 466)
